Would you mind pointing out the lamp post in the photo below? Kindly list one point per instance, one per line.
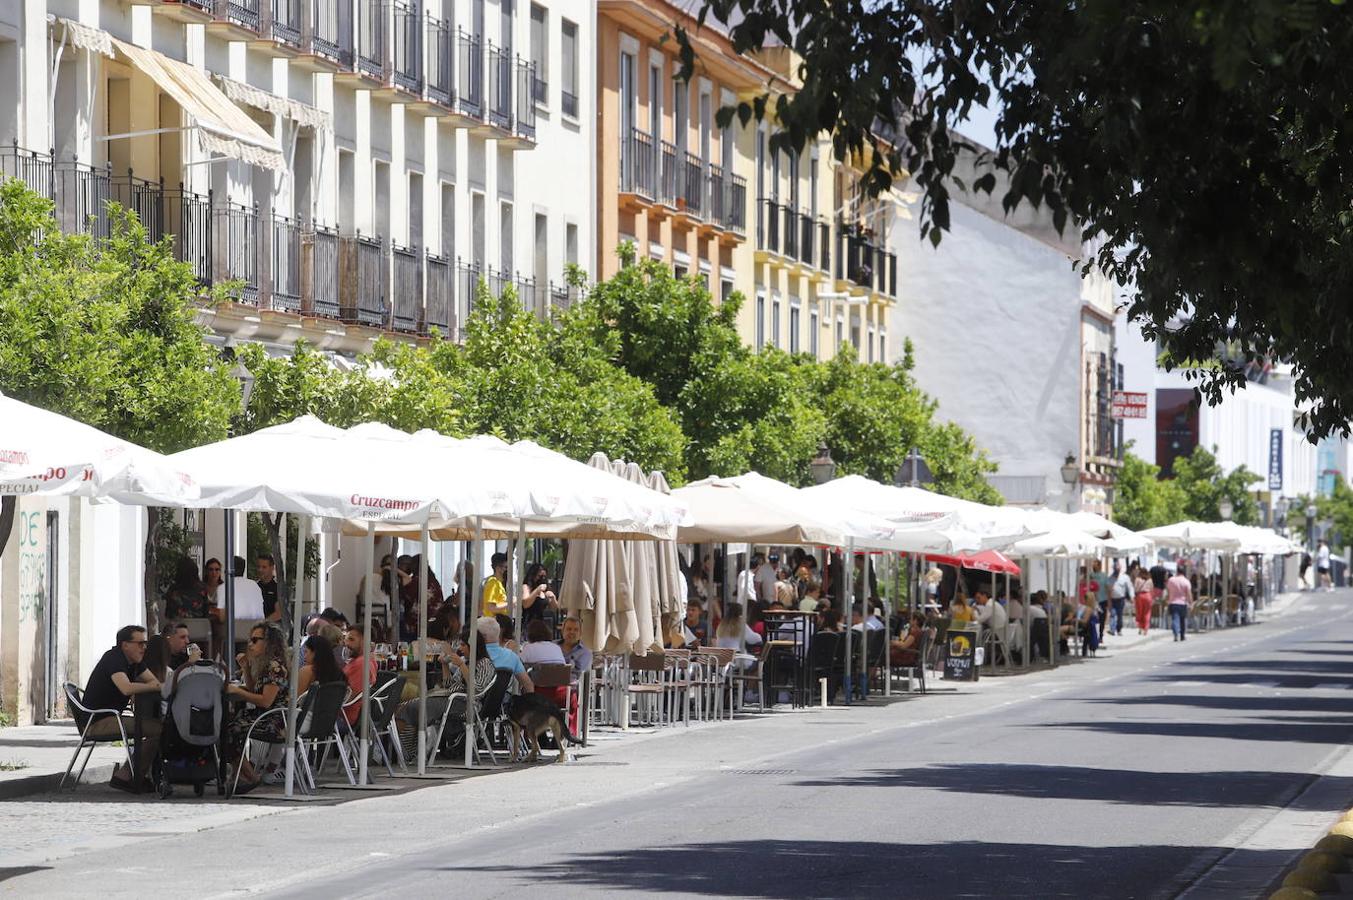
(1280, 514)
(913, 472)
(240, 372)
(1226, 508)
(1071, 473)
(823, 467)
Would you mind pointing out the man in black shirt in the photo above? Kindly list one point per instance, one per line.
(119, 675)
(176, 635)
(266, 567)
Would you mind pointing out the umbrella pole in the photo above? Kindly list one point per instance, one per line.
(519, 581)
(298, 579)
(1054, 570)
(847, 598)
(395, 601)
(364, 745)
(889, 603)
(464, 584)
(422, 668)
(228, 652)
(470, 697)
(1028, 619)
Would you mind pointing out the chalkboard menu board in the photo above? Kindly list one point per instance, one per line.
(960, 654)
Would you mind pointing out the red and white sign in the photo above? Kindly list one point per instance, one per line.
(1129, 405)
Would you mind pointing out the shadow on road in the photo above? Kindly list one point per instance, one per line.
(1274, 729)
(797, 868)
(1216, 789)
(1247, 704)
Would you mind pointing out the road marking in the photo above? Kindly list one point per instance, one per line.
(1268, 684)
(1333, 686)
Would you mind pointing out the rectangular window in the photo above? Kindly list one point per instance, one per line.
(415, 209)
(726, 148)
(794, 180)
(775, 322)
(840, 333)
(347, 191)
(814, 326)
(540, 52)
(477, 228)
(541, 258)
(380, 198)
(794, 325)
(775, 175)
(883, 347)
(629, 101)
(680, 271)
(706, 126)
(571, 244)
(760, 321)
(725, 289)
(477, 17)
(505, 261)
(871, 345)
(655, 102)
(568, 65)
(505, 25)
(680, 116)
(448, 221)
(812, 183)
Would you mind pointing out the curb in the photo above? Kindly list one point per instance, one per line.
(27, 785)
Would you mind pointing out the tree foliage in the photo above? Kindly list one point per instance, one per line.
(1162, 131)
(1146, 500)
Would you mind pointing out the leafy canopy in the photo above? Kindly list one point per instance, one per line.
(1200, 148)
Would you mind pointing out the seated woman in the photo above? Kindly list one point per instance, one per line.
(264, 688)
(733, 633)
(905, 651)
(318, 665)
(508, 630)
(829, 620)
(960, 613)
(540, 647)
(455, 677)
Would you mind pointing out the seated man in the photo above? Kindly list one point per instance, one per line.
(120, 675)
(991, 615)
(572, 646)
(176, 636)
(503, 658)
(352, 671)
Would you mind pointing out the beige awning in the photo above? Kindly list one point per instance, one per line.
(302, 114)
(222, 126)
(85, 37)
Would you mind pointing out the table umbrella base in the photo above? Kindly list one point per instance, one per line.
(344, 786)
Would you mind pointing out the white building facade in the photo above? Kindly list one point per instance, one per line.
(1017, 348)
(352, 167)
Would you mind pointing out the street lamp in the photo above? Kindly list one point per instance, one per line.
(1071, 472)
(1226, 508)
(1280, 513)
(913, 471)
(242, 374)
(823, 467)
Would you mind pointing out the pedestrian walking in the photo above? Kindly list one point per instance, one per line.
(1118, 597)
(1322, 566)
(1143, 594)
(1179, 593)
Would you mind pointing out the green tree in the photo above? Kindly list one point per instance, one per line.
(105, 332)
(1336, 508)
(1158, 130)
(1204, 484)
(1142, 499)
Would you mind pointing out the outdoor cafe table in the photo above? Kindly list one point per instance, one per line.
(787, 630)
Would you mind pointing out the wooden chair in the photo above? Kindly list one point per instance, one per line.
(643, 686)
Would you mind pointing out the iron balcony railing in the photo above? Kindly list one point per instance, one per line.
(468, 276)
(285, 271)
(188, 218)
(639, 165)
(807, 235)
(668, 175)
(441, 62)
(789, 220)
(500, 87)
(286, 20)
(524, 125)
(824, 244)
(718, 196)
(144, 198)
(768, 227)
(407, 47)
(331, 31)
(325, 271)
(470, 85)
(245, 13)
(365, 281)
(235, 249)
(735, 204)
(371, 39)
(407, 287)
(439, 309)
(693, 185)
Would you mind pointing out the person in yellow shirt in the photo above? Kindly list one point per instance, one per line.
(495, 587)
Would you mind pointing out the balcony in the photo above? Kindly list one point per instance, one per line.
(407, 280)
(639, 166)
(285, 271)
(861, 262)
(285, 23)
(191, 12)
(470, 99)
(406, 49)
(768, 225)
(328, 45)
(440, 300)
(323, 269)
(441, 62)
(371, 49)
(500, 87)
(524, 124)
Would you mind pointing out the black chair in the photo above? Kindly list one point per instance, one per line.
(75, 698)
(317, 726)
(876, 646)
(491, 709)
(827, 659)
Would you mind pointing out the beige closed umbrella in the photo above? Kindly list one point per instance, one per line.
(596, 585)
(624, 630)
(671, 579)
(644, 593)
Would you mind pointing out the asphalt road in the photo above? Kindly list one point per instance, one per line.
(1197, 769)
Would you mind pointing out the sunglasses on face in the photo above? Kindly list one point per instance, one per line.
(255, 640)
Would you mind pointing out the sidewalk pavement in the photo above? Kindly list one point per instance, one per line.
(34, 757)
(39, 753)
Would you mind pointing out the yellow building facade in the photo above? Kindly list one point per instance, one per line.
(790, 231)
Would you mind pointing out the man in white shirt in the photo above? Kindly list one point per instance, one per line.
(991, 614)
(765, 579)
(1322, 566)
(1119, 593)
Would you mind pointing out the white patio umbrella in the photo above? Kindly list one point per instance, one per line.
(42, 452)
(747, 508)
(1195, 536)
(647, 610)
(995, 526)
(1064, 543)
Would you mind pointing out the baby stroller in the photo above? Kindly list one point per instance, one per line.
(192, 730)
